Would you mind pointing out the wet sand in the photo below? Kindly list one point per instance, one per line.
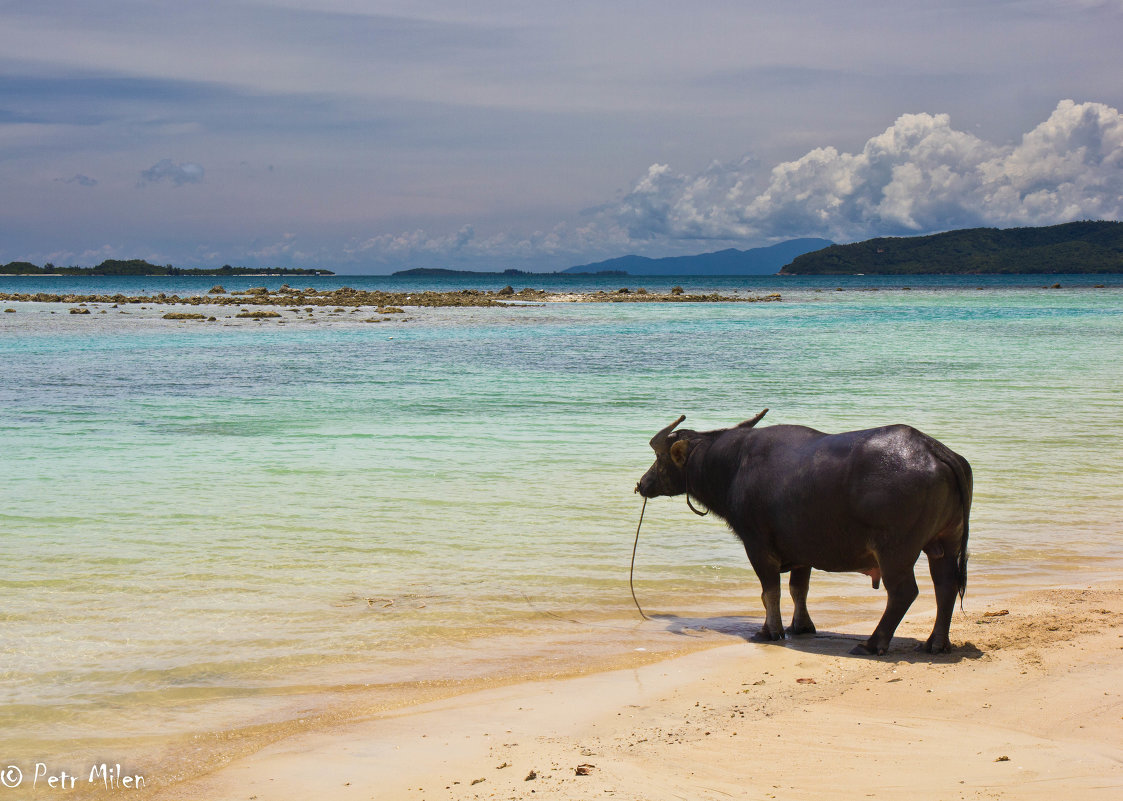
(1028, 706)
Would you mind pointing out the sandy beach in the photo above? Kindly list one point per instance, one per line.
(1027, 706)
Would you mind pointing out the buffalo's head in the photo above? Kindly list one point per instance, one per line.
(666, 476)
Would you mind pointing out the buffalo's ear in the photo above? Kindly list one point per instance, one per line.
(678, 452)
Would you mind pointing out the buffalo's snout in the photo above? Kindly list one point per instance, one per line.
(649, 485)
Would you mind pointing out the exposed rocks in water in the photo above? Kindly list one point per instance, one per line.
(346, 297)
(713, 297)
(10, 311)
(217, 289)
(262, 314)
(184, 316)
(389, 310)
(79, 310)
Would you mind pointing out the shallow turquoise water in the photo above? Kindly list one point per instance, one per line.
(201, 524)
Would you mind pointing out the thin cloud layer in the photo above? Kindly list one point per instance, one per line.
(80, 179)
(919, 175)
(465, 249)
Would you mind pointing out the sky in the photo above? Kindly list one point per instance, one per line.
(368, 136)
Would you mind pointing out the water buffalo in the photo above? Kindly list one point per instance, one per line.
(866, 501)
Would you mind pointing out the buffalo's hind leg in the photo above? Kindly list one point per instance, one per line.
(945, 578)
(797, 586)
(900, 586)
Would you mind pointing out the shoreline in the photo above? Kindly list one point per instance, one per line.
(1026, 705)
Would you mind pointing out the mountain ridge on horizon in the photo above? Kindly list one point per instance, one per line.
(765, 260)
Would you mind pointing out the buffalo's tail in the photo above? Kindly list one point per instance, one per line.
(965, 482)
(961, 468)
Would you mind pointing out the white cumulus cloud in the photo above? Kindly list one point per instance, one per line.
(919, 175)
(167, 170)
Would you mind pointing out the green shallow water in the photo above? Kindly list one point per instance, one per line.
(206, 527)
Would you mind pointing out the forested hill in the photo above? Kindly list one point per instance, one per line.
(143, 268)
(1078, 247)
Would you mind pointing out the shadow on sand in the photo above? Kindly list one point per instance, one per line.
(827, 643)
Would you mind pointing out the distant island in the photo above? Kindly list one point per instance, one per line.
(441, 272)
(142, 268)
(1077, 247)
(755, 261)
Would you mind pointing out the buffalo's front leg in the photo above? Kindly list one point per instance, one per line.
(768, 571)
(773, 628)
(797, 586)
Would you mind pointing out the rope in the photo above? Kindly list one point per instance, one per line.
(631, 572)
(686, 483)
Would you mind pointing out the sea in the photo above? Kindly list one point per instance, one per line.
(218, 534)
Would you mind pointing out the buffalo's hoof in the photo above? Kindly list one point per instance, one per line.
(765, 635)
(937, 646)
(796, 629)
(865, 650)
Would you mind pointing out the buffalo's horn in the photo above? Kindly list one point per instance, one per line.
(752, 422)
(659, 441)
